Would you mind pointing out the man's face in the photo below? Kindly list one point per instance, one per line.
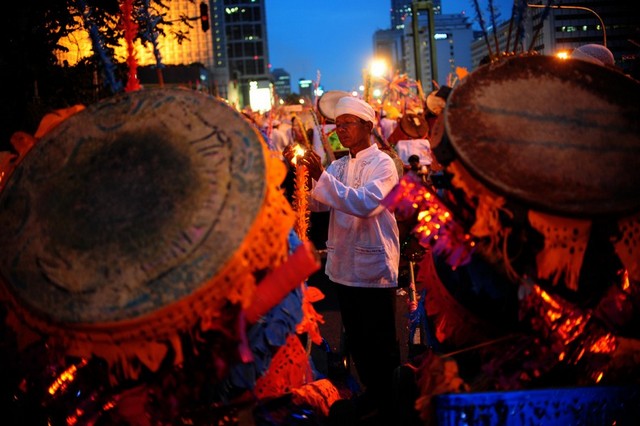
(352, 130)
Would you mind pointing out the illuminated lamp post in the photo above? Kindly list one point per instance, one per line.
(377, 68)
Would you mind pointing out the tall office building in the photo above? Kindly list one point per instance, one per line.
(239, 30)
(305, 87)
(193, 52)
(282, 82)
(566, 29)
(388, 46)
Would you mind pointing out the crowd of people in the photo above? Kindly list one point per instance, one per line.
(355, 158)
(354, 154)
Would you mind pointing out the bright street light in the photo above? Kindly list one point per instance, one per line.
(378, 67)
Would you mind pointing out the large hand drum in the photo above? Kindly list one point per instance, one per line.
(327, 103)
(558, 136)
(131, 208)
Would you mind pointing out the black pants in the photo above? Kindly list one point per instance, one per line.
(368, 316)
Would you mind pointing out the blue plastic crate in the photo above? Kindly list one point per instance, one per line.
(598, 405)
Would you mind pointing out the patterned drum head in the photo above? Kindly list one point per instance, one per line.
(327, 103)
(129, 206)
(559, 136)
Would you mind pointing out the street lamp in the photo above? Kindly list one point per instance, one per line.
(604, 30)
(377, 68)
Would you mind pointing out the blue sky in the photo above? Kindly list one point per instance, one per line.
(335, 37)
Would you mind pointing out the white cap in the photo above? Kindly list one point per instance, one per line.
(357, 107)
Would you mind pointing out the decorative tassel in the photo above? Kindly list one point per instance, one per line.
(483, 27)
(150, 34)
(311, 318)
(301, 202)
(565, 241)
(99, 49)
(436, 223)
(289, 369)
(628, 246)
(130, 30)
(489, 206)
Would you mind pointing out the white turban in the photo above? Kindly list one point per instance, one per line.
(595, 53)
(357, 107)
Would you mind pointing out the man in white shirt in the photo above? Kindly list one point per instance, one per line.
(362, 247)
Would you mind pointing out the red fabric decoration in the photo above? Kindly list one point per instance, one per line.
(453, 323)
(311, 318)
(282, 280)
(320, 395)
(289, 369)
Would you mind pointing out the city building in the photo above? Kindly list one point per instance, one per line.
(613, 23)
(227, 37)
(388, 45)
(453, 37)
(305, 89)
(444, 42)
(183, 16)
(239, 32)
(282, 82)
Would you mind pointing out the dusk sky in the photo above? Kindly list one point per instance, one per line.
(335, 37)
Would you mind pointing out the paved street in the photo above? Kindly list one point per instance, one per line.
(331, 330)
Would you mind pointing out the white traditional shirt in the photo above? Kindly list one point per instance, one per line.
(363, 248)
(419, 147)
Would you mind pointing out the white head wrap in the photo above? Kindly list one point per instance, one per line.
(594, 53)
(357, 107)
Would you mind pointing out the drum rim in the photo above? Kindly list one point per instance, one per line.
(241, 137)
(493, 182)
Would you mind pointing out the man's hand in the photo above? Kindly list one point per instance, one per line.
(289, 153)
(313, 163)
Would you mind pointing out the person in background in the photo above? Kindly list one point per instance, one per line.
(362, 251)
(389, 121)
(279, 140)
(421, 172)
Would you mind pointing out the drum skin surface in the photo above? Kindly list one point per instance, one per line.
(559, 136)
(414, 126)
(129, 206)
(327, 103)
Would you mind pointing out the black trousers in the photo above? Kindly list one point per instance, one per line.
(368, 316)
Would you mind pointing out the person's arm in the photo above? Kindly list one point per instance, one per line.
(364, 201)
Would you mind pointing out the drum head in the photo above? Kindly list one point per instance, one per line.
(558, 135)
(129, 206)
(327, 103)
(415, 126)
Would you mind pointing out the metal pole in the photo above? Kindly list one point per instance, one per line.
(416, 40)
(427, 6)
